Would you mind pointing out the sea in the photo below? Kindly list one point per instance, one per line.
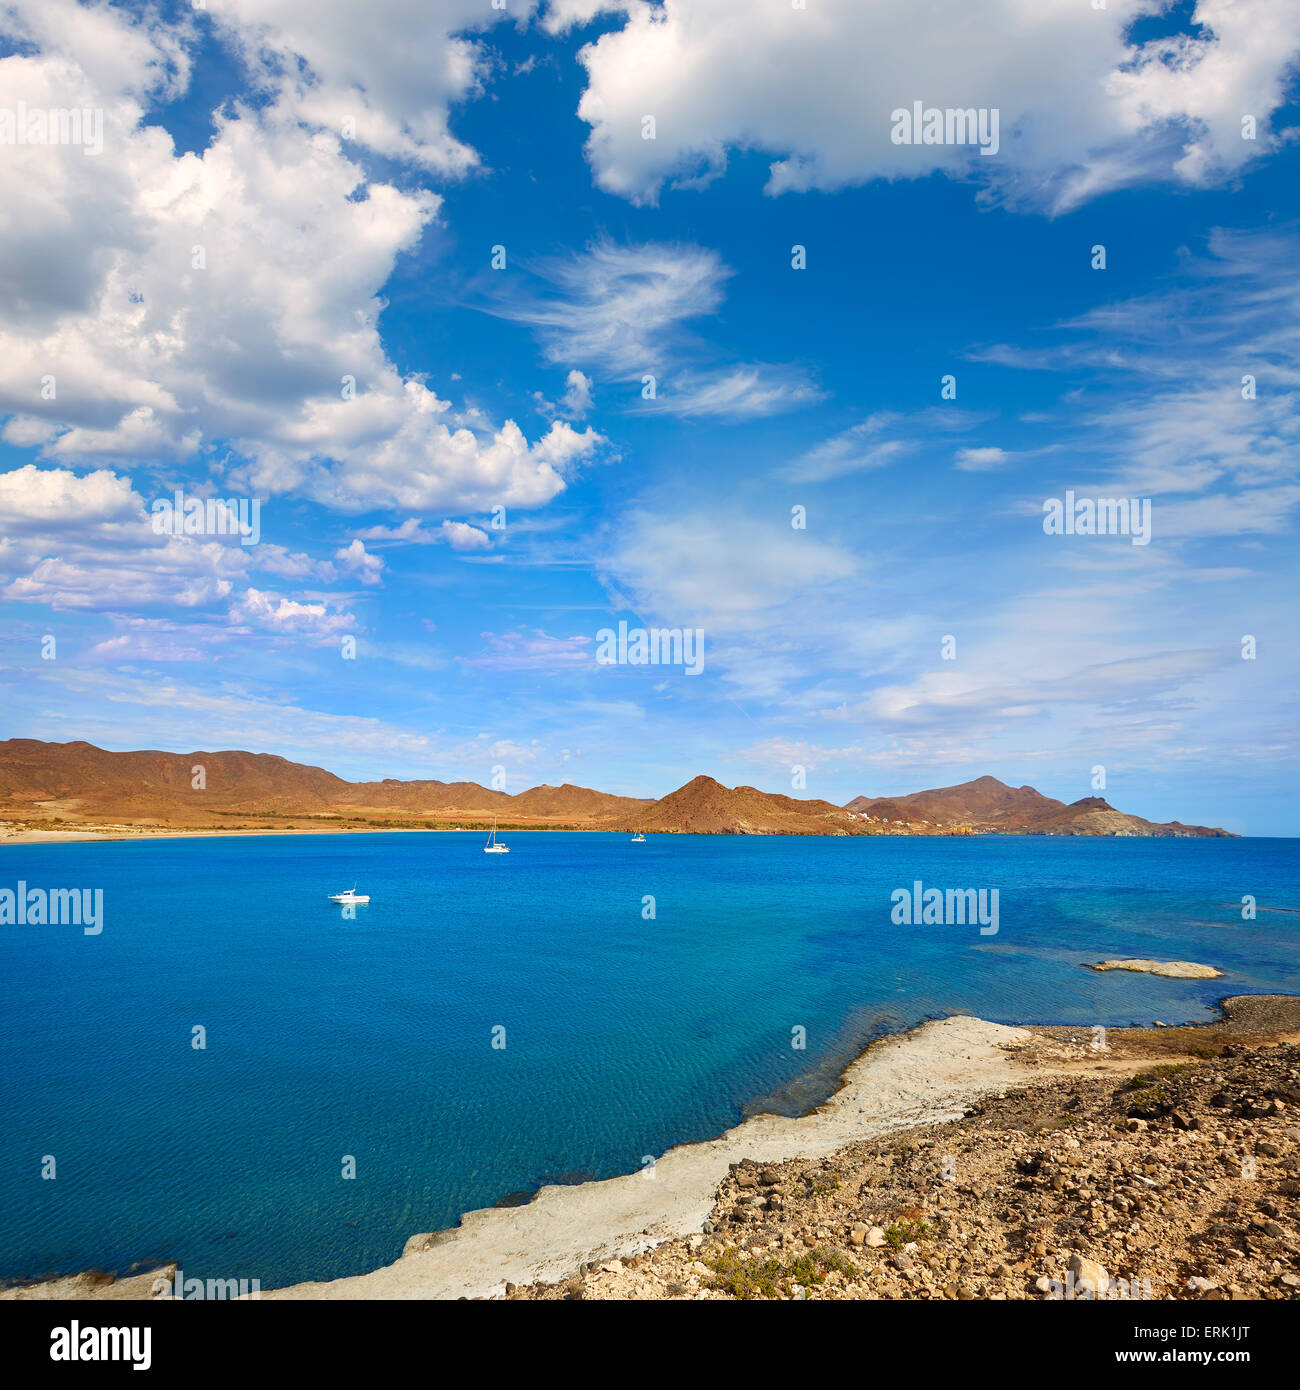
(239, 1075)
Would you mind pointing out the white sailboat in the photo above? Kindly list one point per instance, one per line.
(349, 896)
(639, 838)
(492, 846)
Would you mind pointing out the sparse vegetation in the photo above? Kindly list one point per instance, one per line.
(902, 1233)
(747, 1279)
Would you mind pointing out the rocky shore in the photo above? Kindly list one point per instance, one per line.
(962, 1160)
(1166, 1166)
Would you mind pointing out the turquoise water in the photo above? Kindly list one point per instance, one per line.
(372, 1036)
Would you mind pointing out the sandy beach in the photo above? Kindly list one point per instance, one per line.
(56, 837)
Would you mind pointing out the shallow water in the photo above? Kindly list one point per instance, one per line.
(372, 1036)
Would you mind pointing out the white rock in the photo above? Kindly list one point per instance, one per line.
(1175, 969)
(1090, 1278)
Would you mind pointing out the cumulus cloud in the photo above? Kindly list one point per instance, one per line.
(180, 572)
(577, 394)
(87, 543)
(269, 612)
(460, 535)
(388, 71)
(355, 560)
(232, 295)
(50, 499)
(1082, 108)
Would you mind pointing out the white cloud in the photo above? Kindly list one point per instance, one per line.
(180, 572)
(172, 713)
(232, 295)
(151, 640)
(622, 310)
(563, 15)
(744, 392)
(616, 307)
(577, 394)
(981, 460)
(1081, 110)
(534, 650)
(86, 543)
(706, 570)
(1215, 416)
(851, 451)
(268, 612)
(394, 67)
(354, 559)
(460, 535)
(984, 695)
(50, 499)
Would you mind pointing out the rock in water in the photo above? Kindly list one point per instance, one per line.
(1175, 969)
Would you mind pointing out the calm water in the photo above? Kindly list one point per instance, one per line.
(372, 1036)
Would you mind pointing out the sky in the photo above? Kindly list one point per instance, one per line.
(521, 322)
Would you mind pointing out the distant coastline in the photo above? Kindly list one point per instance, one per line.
(120, 835)
(60, 787)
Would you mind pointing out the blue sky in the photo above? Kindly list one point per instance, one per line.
(347, 172)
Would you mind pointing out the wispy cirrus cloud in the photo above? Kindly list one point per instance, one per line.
(1216, 421)
(622, 311)
(533, 650)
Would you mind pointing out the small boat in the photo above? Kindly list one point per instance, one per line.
(349, 896)
(639, 838)
(493, 846)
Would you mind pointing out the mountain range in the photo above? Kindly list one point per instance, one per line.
(53, 786)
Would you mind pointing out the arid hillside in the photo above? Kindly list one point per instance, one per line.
(991, 807)
(49, 788)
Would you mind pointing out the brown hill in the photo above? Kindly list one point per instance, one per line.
(571, 801)
(424, 798)
(35, 772)
(71, 783)
(706, 807)
(992, 807)
(985, 800)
